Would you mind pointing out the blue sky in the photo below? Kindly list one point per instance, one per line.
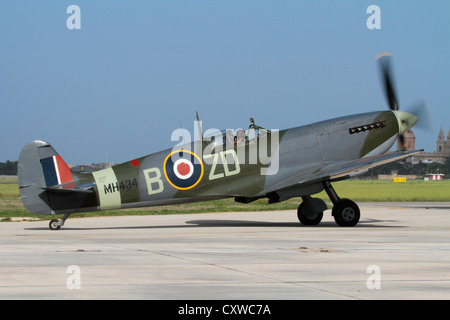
(137, 70)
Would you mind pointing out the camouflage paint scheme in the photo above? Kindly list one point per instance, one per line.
(308, 158)
(301, 162)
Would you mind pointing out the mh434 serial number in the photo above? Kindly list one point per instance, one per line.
(125, 185)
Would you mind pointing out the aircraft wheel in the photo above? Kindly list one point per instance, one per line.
(308, 219)
(54, 224)
(346, 213)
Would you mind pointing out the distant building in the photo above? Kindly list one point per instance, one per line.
(410, 141)
(442, 145)
(441, 154)
(434, 176)
(91, 167)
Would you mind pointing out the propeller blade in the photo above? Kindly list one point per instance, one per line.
(421, 110)
(418, 113)
(384, 60)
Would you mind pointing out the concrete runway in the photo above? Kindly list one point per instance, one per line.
(397, 251)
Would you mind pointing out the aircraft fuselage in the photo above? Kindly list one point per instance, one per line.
(231, 171)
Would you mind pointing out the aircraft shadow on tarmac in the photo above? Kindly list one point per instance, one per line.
(217, 223)
(369, 223)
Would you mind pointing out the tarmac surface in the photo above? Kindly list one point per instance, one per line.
(397, 251)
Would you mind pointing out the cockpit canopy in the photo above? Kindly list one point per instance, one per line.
(236, 137)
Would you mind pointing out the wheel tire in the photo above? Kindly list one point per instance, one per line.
(53, 225)
(346, 213)
(308, 219)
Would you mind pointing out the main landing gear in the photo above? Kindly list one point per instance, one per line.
(56, 224)
(345, 212)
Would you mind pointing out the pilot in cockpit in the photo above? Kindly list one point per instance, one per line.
(239, 139)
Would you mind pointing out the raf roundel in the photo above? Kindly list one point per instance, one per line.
(183, 169)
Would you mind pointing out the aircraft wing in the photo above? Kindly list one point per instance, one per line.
(338, 169)
(341, 169)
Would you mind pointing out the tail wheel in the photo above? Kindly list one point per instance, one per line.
(346, 213)
(308, 219)
(54, 224)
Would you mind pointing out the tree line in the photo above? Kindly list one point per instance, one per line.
(8, 168)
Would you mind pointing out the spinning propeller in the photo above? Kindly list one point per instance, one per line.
(417, 111)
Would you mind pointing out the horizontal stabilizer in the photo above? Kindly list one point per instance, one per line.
(70, 187)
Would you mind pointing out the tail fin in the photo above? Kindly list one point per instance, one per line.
(56, 171)
(40, 166)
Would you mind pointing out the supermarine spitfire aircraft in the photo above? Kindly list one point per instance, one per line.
(302, 161)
